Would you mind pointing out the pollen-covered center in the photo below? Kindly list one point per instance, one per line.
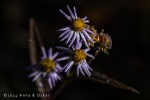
(78, 24)
(79, 55)
(48, 65)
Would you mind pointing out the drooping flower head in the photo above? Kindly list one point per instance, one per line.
(78, 29)
(77, 57)
(104, 42)
(47, 68)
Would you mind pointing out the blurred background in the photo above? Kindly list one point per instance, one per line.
(127, 22)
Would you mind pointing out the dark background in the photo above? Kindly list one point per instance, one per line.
(127, 22)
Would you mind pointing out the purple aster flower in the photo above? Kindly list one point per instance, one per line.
(78, 30)
(48, 69)
(77, 57)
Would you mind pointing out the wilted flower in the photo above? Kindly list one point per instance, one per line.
(76, 57)
(78, 30)
(104, 42)
(47, 68)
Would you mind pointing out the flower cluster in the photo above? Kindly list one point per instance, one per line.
(79, 38)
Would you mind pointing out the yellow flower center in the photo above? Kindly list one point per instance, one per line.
(78, 24)
(79, 55)
(48, 65)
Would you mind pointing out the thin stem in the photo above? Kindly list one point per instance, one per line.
(60, 88)
(102, 78)
(96, 53)
(32, 49)
(38, 35)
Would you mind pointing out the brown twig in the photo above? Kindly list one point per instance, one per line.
(102, 78)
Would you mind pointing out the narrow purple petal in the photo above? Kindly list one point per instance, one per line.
(80, 68)
(58, 67)
(50, 83)
(53, 79)
(73, 39)
(70, 12)
(86, 21)
(86, 50)
(78, 71)
(71, 34)
(89, 31)
(43, 52)
(73, 46)
(84, 40)
(66, 31)
(50, 53)
(84, 18)
(33, 74)
(75, 13)
(87, 65)
(68, 17)
(37, 76)
(69, 66)
(78, 37)
(65, 36)
(85, 69)
(64, 28)
(62, 58)
(89, 55)
(87, 35)
(64, 49)
(55, 55)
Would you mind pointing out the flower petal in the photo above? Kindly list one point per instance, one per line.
(86, 21)
(33, 74)
(66, 31)
(70, 12)
(64, 28)
(84, 18)
(70, 35)
(89, 55)
(43, 52)
(68, 17)
(84, 40)
(50, 53)
(64, 49)
(89, 31)
(73, 39)
(87, 35)
(65, 36)
(75, 13)
(86, 50)
(55, 55)
(37, 76)
(50, 83)
(63, 58)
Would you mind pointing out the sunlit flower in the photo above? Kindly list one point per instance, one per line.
(47, 68)
(78, 30)
(77, 57)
